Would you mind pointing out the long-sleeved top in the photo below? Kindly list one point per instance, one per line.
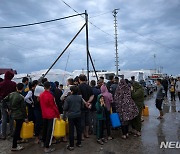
(100, 109)
(28, 98)
(14, 102)
(48, 106)
(73, 106)
(160, 92)
(178, 86)
(66, 92)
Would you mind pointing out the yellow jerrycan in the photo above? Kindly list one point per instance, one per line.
(27, 130)
(146, 111)
(59, 128)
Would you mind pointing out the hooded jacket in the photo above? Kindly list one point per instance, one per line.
(7, 86)
(48, 106)
(138, 94)
(107, 97)
(100, 109)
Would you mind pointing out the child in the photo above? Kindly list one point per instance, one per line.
(159, 97)
(18, 111)
(73, 105)
(100, 107)
(108, 100)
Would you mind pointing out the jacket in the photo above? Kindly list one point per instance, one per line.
(7, 86)
(48, 106)
(107, 97)
(138, 94)
(100, 109)
(73, 105)
(14, 102)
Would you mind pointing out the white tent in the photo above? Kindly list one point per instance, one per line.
(53, 75)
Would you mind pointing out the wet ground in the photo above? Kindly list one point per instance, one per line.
(154, 131)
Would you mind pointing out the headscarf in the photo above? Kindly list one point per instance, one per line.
(124, 103)
(107, 97)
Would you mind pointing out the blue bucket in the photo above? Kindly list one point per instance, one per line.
(115, 121)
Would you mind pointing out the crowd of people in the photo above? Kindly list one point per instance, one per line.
(87, 106)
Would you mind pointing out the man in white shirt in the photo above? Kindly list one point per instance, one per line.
(67, 91)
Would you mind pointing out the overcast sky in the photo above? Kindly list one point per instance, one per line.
(145, 28)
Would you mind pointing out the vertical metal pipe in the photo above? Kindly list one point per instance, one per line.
(116, 42)
(87, 44)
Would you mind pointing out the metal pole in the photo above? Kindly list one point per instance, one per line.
(93, 65)
(64, 50)
(87, 44)
(116, 41)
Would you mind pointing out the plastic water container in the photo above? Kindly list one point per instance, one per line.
(146, 111)
(27, 130)
(60, 128)
(115, 121)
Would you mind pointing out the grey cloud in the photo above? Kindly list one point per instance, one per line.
(37, 47)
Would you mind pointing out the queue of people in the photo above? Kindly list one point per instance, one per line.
(87, 108)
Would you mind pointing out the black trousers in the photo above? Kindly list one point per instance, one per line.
(100, 129)
(173, 96)
(159, 104)
(107, 122)
(30, 112)
(17, 132)
(166, 91)
(48, 128)
(179, 95)
(125, 129)
(38, 122)
(75, 122)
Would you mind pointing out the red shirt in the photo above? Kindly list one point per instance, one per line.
(48, 106)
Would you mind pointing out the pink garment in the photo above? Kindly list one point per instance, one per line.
(107, 97)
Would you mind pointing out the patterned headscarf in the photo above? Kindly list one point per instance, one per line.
(124, 103)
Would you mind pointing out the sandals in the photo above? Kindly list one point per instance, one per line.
(138, 134)
(79, 145)
(70, 148)
(124, 137)
(18, 148)
(48, 150)
(104, 140)
(100, 142)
